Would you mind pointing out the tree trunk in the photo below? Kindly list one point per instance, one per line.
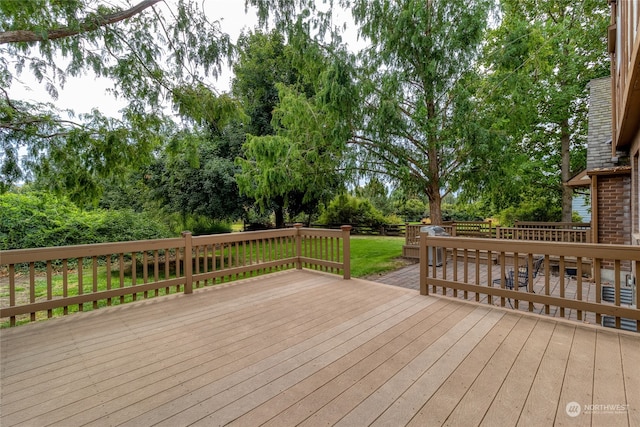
(435, 202)
(435, 209)
(279, 212)
(565, 173)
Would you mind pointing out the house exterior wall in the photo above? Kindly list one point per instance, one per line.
(624, 49)
(614, 209)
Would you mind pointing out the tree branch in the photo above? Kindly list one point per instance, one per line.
(88, 24)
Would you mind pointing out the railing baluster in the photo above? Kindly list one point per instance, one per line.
(145, 271)
(12, 292)
(94, 262)
(65, 285)
(616, 276)
(80, 284)
(108, 278)
(134, 269)
(49, 287)
(121, 265)
(32, 288)
(579, 285)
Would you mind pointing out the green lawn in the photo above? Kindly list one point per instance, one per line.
(374, 254)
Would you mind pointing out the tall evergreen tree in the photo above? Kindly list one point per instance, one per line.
(418, 122)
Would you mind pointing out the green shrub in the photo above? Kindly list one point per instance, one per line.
(346, 209)
(412, 210)
(200, 225)
(36, 219)
(530, 211)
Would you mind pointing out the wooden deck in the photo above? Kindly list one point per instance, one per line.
(307, 348)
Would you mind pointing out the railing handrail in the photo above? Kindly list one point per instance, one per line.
(544, 234)
(599, 260)
(553, 225)
(282, 248)
(488, 230)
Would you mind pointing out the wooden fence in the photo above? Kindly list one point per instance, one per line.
(368, 230)
(553, 225)
(38, 283)
(465, 271)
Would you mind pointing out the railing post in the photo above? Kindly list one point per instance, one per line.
(422, 242)
(188, 262)
(346, 251)
(298, 226)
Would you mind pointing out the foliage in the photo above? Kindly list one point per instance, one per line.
(463, 212)
(538, 62)
(198, 225)
(38, 219)
(346, 209)
(411, 209)
(201, 182)
(163, 51)
(530, 211)
(376, 192)
(291, 161)
(417, 93)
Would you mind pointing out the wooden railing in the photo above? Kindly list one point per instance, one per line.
(46, 282)
(537, 231)
(553, 225)
(464, 228)
(544, 234)
(464, 271)
(470, 228)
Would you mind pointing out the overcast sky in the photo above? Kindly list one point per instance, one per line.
(84, 94)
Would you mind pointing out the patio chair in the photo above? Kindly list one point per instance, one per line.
(523, 276)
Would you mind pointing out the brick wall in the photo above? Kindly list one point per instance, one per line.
(614, 209)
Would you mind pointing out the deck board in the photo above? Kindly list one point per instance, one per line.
(307, 348)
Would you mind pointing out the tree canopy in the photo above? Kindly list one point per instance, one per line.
(539, 61)
(152, 52)
(416, 92)
(481, 99)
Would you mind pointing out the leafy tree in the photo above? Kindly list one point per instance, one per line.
(539, 61)
(290, 161)
(418, 122)
(152, 52)
(201, 183)
(411, 209)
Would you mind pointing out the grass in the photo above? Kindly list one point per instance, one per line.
(375, 254)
